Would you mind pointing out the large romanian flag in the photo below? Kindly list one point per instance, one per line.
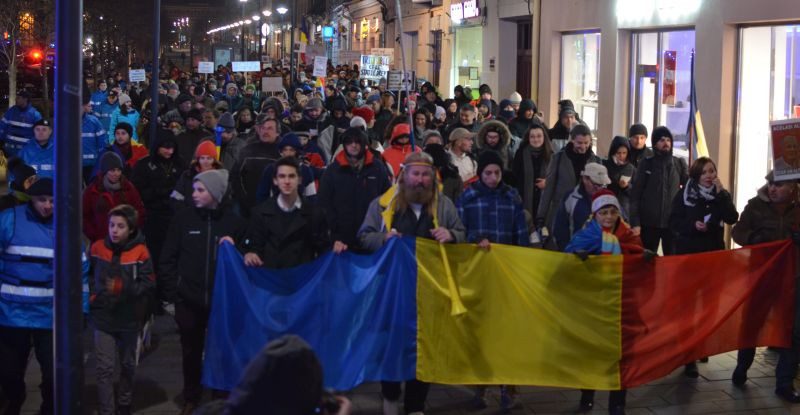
(507, 316)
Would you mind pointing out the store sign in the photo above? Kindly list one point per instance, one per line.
(464, 10)
(670, 65)
(374, 67)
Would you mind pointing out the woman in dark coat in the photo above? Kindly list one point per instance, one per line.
(530, 164)
(620, 171)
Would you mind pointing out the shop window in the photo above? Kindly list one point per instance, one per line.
(769, 90)
(661, 82)
(580, 73)
(468, 57)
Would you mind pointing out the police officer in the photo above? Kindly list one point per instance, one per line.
(16, 126)
(39, 153)
(26, 294)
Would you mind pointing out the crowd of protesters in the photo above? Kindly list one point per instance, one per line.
(288, 175)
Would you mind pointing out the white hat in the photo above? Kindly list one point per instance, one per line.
(515, 98)
(597, 173)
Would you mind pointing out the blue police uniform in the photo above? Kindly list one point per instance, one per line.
(104, 111)
(98, 97)
(41, 158)
(94, 138)
(16, 127)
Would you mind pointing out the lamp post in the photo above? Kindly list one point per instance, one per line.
(241, 27)
(265, 30)
(282, 11)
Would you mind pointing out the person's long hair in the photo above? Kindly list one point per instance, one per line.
(401, 197)
(547, 145)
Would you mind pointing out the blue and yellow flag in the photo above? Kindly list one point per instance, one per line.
(694, 130)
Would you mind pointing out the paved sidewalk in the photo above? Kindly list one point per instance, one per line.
(158, 389)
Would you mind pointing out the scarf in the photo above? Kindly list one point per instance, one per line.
(529, 188)
(595, 240)
(693, 193)
(578, 160)
(113, 187)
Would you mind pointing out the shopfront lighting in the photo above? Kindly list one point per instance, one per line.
(248, 21)
(631, 11)
(256, 17)
(282, 10)
(267, 13)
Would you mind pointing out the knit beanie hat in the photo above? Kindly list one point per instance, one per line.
(109, 161)
(124, 126)
(358, 122)
(284, 378)
(364, 112)
(19, 172)
(226, 121)
(515, 98)
(637, 129)
(215, 181)
(427, 134)
(660, 132)
(484, 89)
(372, 98)
(41, 187)
(314, 103)
(183, 98)
(123, 98)
(206, 148)
(195, 114)
(604, 198)
(291, 140)
(487, 158)
(440, 113)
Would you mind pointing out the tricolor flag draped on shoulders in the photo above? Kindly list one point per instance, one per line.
(694, 130)
(531, 317)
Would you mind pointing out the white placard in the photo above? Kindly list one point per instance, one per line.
(374, 67)
(272, 84)
(320, 66)
(205, 67)
(136, 75)
(247, 66)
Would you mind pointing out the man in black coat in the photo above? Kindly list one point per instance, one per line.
(658, 179)
(286, 230)
(260, 151)
(349, 184)
(188, 266)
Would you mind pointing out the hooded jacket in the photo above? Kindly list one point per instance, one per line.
(761, 220)
(396, 153)
(345, 194)
(503, 147)
(131, 271)
(520, 124)
(155, 177)
(615, 173)
(97, 202)
(245, 176)
(188, 262)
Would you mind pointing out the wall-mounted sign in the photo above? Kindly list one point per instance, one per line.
(327, 32)
(466, 9)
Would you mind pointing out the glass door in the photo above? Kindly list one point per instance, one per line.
(661, 82)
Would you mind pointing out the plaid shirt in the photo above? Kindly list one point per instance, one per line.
(493, 214)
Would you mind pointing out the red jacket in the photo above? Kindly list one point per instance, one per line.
(396, 154)
(97, 202)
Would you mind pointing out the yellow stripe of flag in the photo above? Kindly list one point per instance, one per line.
(533, 317)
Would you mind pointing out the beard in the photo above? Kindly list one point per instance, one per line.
(419, 194)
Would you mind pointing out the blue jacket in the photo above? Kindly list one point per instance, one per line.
(104, 111)
(94, 138)
(573, 213)
(98, 97)
(26, 270)
(16, 128)
(131, 118)
(493, 214)
(40, 158)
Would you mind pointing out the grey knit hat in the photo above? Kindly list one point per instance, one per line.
(215, 181)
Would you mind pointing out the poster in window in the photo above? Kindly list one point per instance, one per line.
(473, 74)
(670, 64)
(785, 135)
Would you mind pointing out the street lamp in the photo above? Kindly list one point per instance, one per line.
(267, 13)
(282, 11)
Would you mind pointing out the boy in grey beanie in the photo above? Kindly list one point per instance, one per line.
(215, 182)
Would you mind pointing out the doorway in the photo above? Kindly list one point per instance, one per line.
(661, 82)
(524, 58)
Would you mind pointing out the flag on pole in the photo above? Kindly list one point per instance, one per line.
(694, 130)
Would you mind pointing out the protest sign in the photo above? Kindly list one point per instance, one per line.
(785, 135)
(374, 67)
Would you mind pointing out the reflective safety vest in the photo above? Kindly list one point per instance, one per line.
(26, 271)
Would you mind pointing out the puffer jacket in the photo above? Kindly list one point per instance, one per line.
(130, 269)
(658, 179)
(188, 262)
(762, 221)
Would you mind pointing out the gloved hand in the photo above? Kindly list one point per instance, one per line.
(583, 255)
(649, 255)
